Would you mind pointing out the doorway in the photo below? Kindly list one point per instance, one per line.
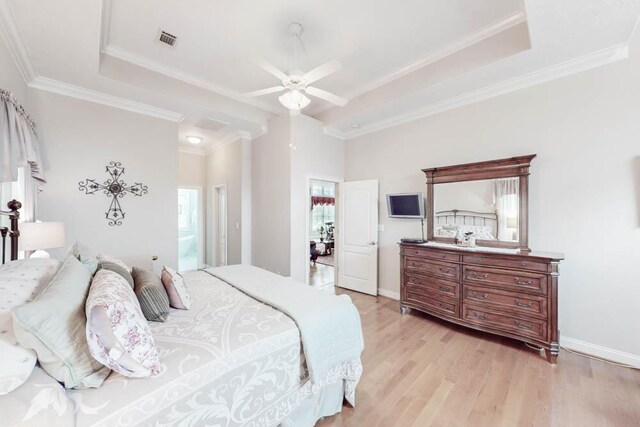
(190, 227)
(219, 229)
(322, 233)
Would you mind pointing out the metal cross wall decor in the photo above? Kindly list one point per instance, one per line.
(115, 188)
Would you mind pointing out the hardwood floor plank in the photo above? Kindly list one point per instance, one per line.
(421, 371)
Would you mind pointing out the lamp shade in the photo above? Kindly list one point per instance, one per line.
(41, 235)
(512, 222)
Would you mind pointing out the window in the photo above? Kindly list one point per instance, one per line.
(15, 190)
(323, 216)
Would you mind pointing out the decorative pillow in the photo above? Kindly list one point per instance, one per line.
(117, 268)
(21, 280)
(108, 258)
(152, 297)
(118, 335)
(176, 289)
(53, 325)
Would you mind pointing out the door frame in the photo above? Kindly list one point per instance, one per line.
(201, 217)
(214, 222)
(337, 181)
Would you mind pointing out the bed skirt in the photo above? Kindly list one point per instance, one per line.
(326, 403)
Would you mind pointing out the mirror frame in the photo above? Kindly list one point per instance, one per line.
(492, 169)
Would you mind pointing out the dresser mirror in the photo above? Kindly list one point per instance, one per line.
(488, 199)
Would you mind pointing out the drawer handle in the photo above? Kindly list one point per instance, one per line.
(416, 264)
(445, 270)
(445, 289)
(522, 304)
(479, 296)
(523, 282)
(523, 325)
(445, 306)
(479, 316)
(415, 281)
(475, 275)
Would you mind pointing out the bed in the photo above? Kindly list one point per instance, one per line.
(230, 360)
(484, 225)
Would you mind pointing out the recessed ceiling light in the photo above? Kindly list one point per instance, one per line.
(194, 139)
(355, 125)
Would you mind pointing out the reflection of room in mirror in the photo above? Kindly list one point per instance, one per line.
(487, 208)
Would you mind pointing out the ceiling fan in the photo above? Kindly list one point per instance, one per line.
(296, 82)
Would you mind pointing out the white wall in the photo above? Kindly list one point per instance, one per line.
(271, 195)
(585, 186)
(224, 167)
(316, 155)
(80, 138)
(192, 170)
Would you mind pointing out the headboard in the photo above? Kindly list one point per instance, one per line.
(454, 216)
(12, 231)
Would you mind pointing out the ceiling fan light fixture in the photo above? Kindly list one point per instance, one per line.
(294, 100)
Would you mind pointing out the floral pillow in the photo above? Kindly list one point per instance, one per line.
(117, 332)
(176, 289)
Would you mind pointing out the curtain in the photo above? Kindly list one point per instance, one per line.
(322, 201)
(18, 141)
(507, 201)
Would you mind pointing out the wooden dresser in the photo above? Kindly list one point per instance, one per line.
(514, 295)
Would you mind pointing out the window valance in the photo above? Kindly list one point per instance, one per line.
(322, 201)
(18, 141)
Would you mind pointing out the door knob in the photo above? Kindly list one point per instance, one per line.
(372, 243)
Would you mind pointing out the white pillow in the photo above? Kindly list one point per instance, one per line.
(117, 332)
(20, 281)
(176, 289)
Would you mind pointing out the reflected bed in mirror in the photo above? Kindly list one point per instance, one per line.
(486, 208)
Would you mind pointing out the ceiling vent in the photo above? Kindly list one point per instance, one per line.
(167, 38)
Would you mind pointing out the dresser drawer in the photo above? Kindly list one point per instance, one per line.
(492, 298)
(519, 280)
(430, 285)
(438, 269)
(542, 267)
(521, 326)
(430, 253)
(429, 303)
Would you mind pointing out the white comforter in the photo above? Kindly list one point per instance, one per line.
(329, 325)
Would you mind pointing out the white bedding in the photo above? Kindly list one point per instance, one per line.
(229, 360)
(329, 325)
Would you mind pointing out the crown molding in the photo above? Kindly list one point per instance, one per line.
(192, 150)
(105, 23)
(257, 133)
(15, 43)
(73, 91)
(572, 66)
(327, 130)
(463, 43)
(225, 140)
(154, 66)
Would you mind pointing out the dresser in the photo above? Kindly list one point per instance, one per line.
(508, 294)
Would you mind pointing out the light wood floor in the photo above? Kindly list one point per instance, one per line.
(321, 275)
(419, 371)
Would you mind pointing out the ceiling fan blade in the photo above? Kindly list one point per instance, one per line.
(323, 70)
(265, 91)
(327, 96)
(270, 68)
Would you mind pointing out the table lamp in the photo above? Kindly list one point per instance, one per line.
(38, 236)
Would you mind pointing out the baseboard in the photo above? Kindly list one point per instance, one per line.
(389, 294)
(600, 351)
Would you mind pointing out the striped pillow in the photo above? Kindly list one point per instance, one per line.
(151, 294)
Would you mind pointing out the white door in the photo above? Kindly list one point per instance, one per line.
(222, 226)
(358, 236)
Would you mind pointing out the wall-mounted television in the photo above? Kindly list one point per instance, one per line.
(406, 205)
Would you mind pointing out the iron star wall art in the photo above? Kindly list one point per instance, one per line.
(116, 189)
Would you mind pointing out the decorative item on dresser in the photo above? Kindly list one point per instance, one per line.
(11, 231)
(503, 288)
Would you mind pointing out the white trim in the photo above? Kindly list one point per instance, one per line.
(152, 65)
(482, 34)
(105, 23)
(191, 150)
(245, 203)
(15, 43)
(73, 91)
(257, 133)
(600, 351)
(333, 132)
(572, 66)
(226, 140)
(389, 294)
